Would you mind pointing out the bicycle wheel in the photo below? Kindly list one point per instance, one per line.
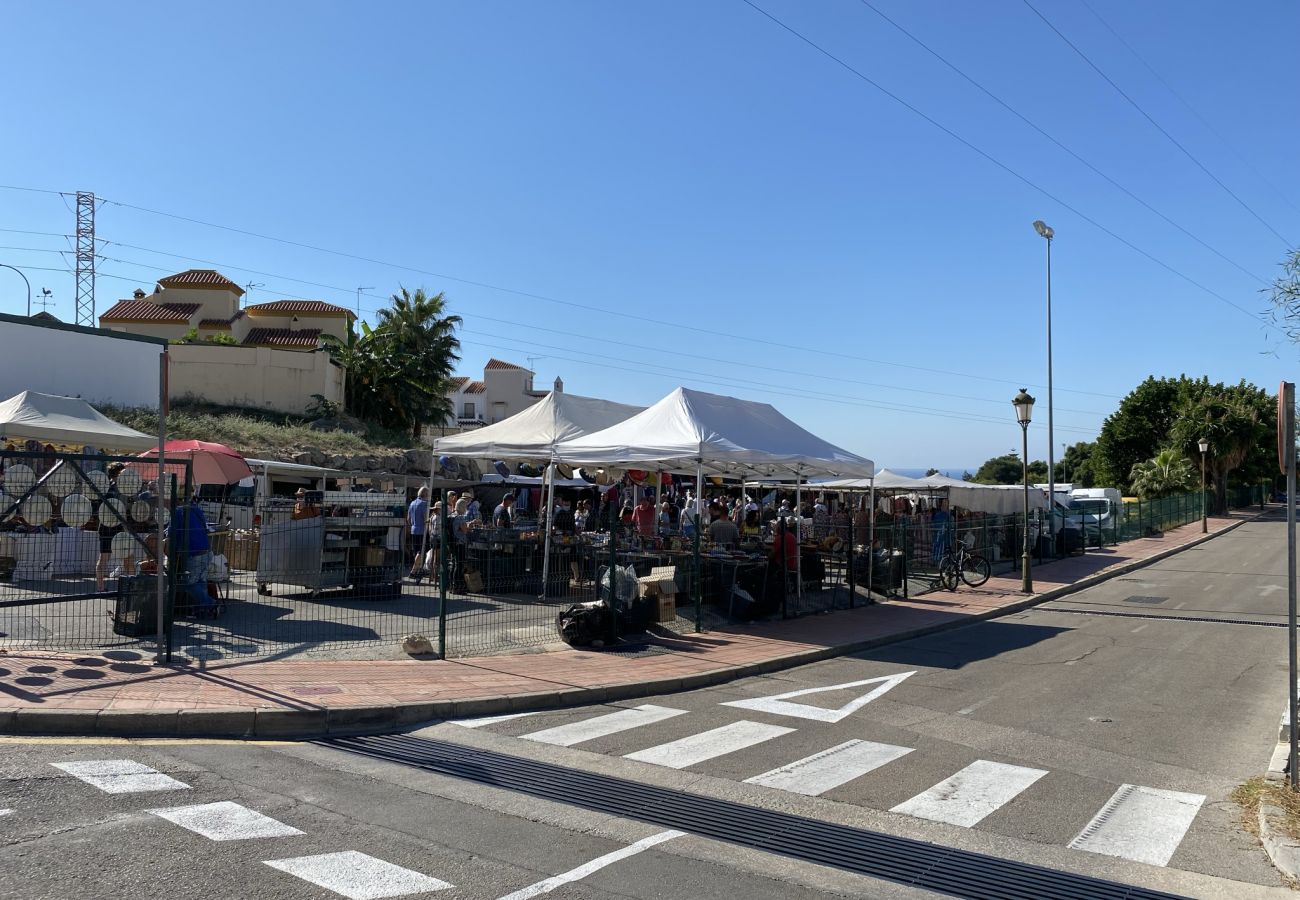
(975, 570)
(948, 573)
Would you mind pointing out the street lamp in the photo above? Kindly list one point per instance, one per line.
(1024, 405)
(26, 282)
(1204, 444)
(1046, 233)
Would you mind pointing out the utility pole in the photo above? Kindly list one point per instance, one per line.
(85, 258)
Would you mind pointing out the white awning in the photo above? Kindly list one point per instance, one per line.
(721, 435)
(65, 420)
(534, 432)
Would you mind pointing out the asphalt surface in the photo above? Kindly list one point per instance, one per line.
(1100, 734)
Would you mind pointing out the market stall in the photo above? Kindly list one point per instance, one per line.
(533, 435)
(710, 434)
(333, 539)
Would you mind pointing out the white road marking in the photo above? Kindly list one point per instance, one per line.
(5, 812)
(1180, 605)
(1139, 628)
(709, 744)
(603, 726)
(1270, 589)
(121, 776)
(600, 862)
(777, 703)
(972, 794)
(492, 720)
(831, 768)
(1140, 823)
(1207, 589)
(357, 876)
(225, 821)
(974, 706)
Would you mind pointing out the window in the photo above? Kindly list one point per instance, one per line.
(468, 412)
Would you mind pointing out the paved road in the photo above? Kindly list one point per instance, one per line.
(220, 819)
(1099, 735)
(1111, 726)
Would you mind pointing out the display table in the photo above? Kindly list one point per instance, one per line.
(42, 556)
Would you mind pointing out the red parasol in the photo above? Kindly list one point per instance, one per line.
(212, 463)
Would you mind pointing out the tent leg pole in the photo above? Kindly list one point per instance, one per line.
(546, 523)
(698, 581)
(798, 536)
(871, 542)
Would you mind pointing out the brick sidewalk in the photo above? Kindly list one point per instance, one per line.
(123, 693)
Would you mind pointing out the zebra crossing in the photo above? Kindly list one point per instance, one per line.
(1140, 823)
(345, 873)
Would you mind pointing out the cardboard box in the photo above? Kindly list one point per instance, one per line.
(370, 556)
(666, 610)
(661, 580)
(242, 551)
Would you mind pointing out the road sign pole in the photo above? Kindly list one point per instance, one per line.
(1286, 422)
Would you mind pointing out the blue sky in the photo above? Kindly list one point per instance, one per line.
(715, 202)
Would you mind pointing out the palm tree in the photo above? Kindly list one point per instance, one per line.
(1168, 472)
(423, 351)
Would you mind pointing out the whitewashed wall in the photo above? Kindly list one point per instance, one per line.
(77, 362)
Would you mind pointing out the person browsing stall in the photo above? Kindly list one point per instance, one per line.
(504, 516)
(643, 517)
(722, 531)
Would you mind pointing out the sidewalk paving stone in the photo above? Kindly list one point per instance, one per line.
(310, 698)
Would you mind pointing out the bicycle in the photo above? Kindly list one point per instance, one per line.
(963, 565)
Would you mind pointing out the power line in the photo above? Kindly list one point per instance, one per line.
(712, 332)
(1200, 165)
(1209, 127)
(1001, 165)
(998, 100)
(787, 390)
(673, 375)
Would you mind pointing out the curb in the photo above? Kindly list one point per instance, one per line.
(312, 724)
(1281, 849)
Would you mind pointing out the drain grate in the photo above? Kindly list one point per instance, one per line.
(958, 873)
(1167, 617)
(634, 651)
(1138, 598)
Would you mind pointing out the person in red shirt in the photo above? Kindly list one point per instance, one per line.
(643, 517)
(785, 539)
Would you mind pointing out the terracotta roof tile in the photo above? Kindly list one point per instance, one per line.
(220, 323)
(316, 307)
(307, 338)
(495, 363)
(475, 387)
(148, 311)
(459, 381)
(200, 278)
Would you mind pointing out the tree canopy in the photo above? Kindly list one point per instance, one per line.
(1007, 469)
(1169, 413)
(1075, 467)
(1168, 472)
(399, 372)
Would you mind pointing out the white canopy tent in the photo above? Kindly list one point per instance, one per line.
(535, 433)
(720, 435)
(711, 434)
(65, 420)
(993, 499)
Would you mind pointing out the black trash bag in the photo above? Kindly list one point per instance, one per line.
(584, 624)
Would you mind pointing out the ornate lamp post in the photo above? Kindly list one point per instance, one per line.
(1024, 405)
(1204, 444)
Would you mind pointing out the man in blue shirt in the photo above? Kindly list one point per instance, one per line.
(417, 520)
(189, 534)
